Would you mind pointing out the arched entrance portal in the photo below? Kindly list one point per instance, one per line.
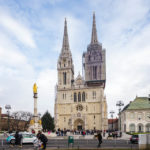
(79, 124)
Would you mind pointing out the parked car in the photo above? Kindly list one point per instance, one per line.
(26, 138)
(134, 139)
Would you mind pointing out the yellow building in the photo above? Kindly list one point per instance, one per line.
(80, 103)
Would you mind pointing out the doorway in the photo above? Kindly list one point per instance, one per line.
(79, 124)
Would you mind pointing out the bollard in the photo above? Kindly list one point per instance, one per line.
(2, 143)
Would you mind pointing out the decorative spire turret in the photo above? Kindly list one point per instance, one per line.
(65, 46)
(94, 31)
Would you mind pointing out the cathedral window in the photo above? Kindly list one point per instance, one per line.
(94, 94)
(100, 72)
(83, 96)
(94, 72)
(79, 97)
(75, 97)
(89, 58)
(63, 95)
(64, 78)
(79, 107)
(64, 119)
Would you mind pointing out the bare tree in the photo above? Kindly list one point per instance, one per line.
(20, 120)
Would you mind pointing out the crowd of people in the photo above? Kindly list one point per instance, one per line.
(78, 132)
(113, 134)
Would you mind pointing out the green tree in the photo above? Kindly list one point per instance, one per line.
(47, 122)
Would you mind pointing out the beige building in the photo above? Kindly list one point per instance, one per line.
(80, 103)
(135, 117)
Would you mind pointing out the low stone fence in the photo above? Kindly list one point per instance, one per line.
(144, 141)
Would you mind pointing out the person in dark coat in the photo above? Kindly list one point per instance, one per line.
(17, 142)
(43, 139)
(99, 137)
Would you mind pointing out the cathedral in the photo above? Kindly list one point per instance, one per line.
(80, 103)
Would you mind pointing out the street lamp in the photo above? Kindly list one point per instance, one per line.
(8, 107)
(39, 114)
(112, 113)
(120, 104)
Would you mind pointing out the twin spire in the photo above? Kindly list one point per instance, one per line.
(65, 45)
(94, 39)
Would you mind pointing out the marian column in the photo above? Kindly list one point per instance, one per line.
(35, 102)
(35, 123)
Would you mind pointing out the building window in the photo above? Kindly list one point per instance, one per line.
(100, 72)
(89, 57)
(148, 127)
(75, 97)
(63, 95)
(64, 78)
(94, 94)
(79, 97)
(139, 116)
(94, 72)
(64, 119)
(132, 127)
(140, 127)
(79, 107)
(83, 96)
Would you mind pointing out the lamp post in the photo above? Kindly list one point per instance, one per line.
(112, 113)
(8, 107)
(39, 114)
(120, 104)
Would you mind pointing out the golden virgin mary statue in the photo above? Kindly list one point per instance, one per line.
(34, 88)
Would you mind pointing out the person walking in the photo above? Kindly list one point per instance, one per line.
(99, 137)
(17, 138)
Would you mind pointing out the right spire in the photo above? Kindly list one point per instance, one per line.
(94, 31)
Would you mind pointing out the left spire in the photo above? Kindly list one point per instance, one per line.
(65, 46)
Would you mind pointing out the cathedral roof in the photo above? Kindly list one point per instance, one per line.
(79, 80)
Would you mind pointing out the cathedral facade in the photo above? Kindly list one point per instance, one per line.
(80, 103)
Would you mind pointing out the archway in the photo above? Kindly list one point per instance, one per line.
(148, 127)
(132, 127)
(79, 124)
(140, 127)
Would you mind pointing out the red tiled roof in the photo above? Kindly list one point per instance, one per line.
(4, 115)
(110, 121)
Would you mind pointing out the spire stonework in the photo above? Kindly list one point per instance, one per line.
(65, 45)
(94, 38)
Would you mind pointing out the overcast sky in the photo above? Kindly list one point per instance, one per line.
(31, 33)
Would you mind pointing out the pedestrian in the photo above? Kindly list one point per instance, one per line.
(43, 139)
(17, 138)
(99, 137)
(20, 140)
